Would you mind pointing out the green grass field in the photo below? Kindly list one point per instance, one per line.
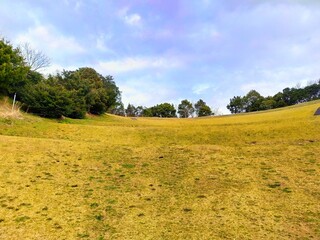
(249, 176)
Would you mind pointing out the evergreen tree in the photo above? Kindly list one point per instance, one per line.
(13, 71)
(202, 109)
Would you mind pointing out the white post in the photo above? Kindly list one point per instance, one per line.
(14, 101)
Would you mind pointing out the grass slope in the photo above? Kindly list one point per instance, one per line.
(251, 176)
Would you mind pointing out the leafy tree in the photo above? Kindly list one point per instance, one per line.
(313, 91)
(113, 92)
(296, 95)
(100, 93)
(118, 109)
(13, 71)
(205, 111)
(131, 110)
(236, 105)
(34, 77)
(139, 111)
(147, 112)
(96, 101)
(72, 94)
(166, 110)
(267, 103)
(93, 92)
(279, 100)
(252, 101)
(287, 96)
(198, 105)
(185, 109)
(50, 99)
(202, 109)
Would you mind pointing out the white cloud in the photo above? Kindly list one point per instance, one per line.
(142, 91)
(133, 19)
(50, 41)
(200, 88)
(132, 64)
(101, 43)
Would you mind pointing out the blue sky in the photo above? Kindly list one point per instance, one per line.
(166, 51)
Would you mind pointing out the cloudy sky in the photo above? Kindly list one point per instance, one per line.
(169, 50)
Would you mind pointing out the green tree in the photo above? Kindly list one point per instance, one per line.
(50, 99)
(100, 93)
(166, 110)
(202, 109)
(139, 111)
(205, 111)
(13, 71)
(131, 110)
(147, 112)
(268, 103)
(80, 91)
(113, 92)
(236, 105)
(252, 101)
(287, 96)
(312, 91)
(185, 109)
(118, 109)
(34, 77)
(279, 100)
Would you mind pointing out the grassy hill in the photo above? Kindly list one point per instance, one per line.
(249, 176)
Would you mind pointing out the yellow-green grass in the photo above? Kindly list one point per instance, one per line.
(249, 176)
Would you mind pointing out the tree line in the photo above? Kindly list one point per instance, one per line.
(253, 101)
(185, 110)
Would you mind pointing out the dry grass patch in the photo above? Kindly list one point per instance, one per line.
(7, 112)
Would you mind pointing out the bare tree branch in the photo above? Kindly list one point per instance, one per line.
(33, 58)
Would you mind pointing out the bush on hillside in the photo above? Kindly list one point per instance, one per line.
(49, 99)
(70, 94)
